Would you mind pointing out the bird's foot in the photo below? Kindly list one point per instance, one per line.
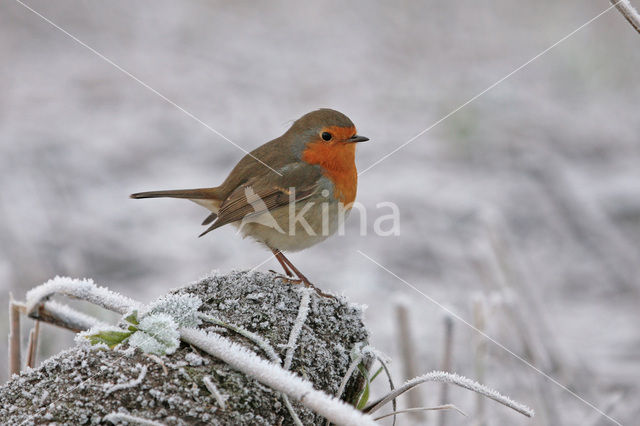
(288, 279)
(279, 275)
(319, 292)
(306, 283)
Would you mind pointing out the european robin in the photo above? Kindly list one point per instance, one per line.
(289, 193)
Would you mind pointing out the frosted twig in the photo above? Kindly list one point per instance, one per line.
(64, 316)
(303, 311)
(447, 363)
(275, 377)
(116, 418)
(443, 377)
(32, 347)
(84, 289)
(14, 337)
(255, 338)
(412, 410)
(262, 344)
(346, 377)
(348, 374)
(480, 346)
(292, 412)
(213, 390)
(130, 384)
(629, 12)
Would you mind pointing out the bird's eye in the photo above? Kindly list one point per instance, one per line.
(326, 136)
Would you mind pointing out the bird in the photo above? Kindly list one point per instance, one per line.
(290, 193)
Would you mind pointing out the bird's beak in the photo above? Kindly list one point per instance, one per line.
(356, 138)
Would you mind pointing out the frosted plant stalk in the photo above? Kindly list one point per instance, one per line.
(72, 317)
(303, 311)
(127, 385)
(117, 418)
(629, 12)
(213, 390)
(255, 338)
(276, 377)
(262, 344)
(347, 375)
(420, 409)
(444, 377)
(84, 289)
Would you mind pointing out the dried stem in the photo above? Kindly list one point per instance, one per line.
(447, 364)
(629, 12)
(14, 337)
(255, 338)
(418, 409)
(444, 377)
(348, 374)
(62, 315)
(480, 346)
(32, 348)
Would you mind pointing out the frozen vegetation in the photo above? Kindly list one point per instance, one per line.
(321, 354)
(314, 335)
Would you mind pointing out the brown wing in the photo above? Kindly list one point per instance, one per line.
(241, 204)
(257, 197)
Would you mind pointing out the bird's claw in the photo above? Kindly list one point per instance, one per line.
(307, 284)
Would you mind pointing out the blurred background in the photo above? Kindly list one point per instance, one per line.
(520, 212)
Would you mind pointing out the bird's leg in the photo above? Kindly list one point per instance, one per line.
(278, 254)
(304, 279)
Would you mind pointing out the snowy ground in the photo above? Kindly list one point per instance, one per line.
(525, 204)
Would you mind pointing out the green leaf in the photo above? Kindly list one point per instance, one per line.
(365, 392)
(133, 318)
(110, 338)
(375, 375)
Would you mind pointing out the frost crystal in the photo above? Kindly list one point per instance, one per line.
(157, 334)
(84, 289)
(156, 330)
(110, 388)
(182, 308)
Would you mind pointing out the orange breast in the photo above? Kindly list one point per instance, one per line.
(337, 160)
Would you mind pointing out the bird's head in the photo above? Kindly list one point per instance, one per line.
(325, 137)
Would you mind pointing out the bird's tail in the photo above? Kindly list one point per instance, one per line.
(209, 198)
(191, 194)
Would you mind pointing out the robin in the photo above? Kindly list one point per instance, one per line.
(290, 193)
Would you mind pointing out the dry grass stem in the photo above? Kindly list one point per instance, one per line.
(629, 13)
(32, 348)
(14, 337)
(444, 377)
(447, 364)
(419, 409)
